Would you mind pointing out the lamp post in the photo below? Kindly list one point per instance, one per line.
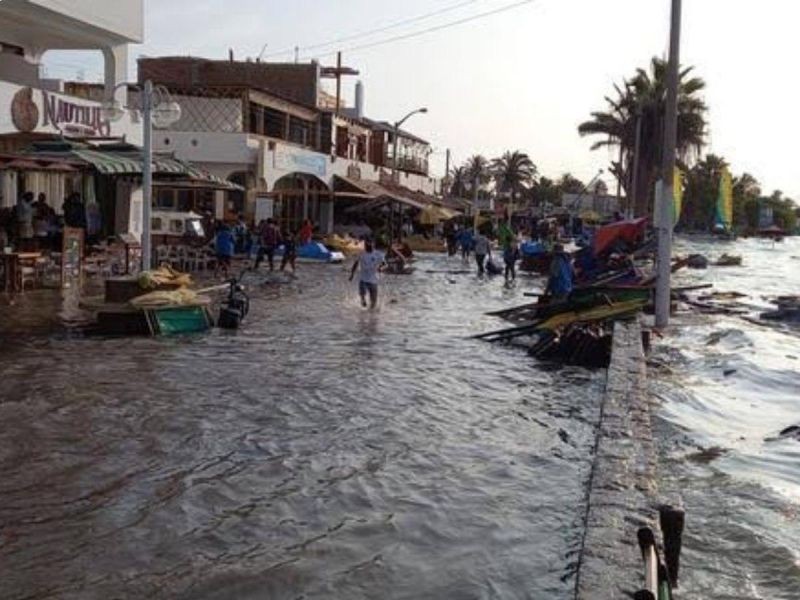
(397, 135)
(163, 114)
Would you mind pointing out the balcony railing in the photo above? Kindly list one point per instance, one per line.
(409, 163)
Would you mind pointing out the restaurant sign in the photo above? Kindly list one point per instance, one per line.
(67, 116)
(34, 110)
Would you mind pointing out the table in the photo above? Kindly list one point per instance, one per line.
(12, 263)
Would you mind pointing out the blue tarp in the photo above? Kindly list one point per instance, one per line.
(532, 249)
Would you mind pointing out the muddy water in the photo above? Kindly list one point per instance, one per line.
(321, 452)
(729, 386)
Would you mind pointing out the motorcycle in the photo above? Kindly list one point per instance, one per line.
(236, 306)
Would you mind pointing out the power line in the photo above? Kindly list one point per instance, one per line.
(413, 34)
(388, 27)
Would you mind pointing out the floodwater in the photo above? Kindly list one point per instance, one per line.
(322, 451)
(726, 388)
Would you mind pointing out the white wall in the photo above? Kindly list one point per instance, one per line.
(122, 18)
(207, 148)
(213, 150)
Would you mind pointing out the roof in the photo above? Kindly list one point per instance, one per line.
(378, 194)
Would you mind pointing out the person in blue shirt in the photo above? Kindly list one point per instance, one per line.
(465, 240)
(224, 245)
(562, 276)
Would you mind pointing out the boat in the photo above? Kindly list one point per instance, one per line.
(723, 213)
(346, 245)
(315, 252)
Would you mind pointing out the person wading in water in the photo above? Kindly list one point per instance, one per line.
(562, 275)
(370, 263)
(270, 240)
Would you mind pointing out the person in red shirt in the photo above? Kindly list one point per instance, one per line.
(306, 232)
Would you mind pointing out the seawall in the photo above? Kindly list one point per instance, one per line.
(621, 495)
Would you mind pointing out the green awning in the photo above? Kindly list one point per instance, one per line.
(110, 163)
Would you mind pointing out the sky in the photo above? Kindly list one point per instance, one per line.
(521, 79)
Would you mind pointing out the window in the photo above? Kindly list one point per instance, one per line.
(155, 224)
(274, 123)
(176, 226)
(299, 131)
(256, 119)
(165, 199)
(185, 200)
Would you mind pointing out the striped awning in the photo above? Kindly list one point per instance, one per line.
(110, 163)
(126, 163)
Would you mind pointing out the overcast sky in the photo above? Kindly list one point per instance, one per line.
(520, 79)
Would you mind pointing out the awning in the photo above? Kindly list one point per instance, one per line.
(436, 214)
(126, 163)
(110, 163)
(378, 194)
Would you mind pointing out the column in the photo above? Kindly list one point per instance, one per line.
(116, 71)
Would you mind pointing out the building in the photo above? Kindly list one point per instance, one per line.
(35, 109)
(599, 205)
(271, 128)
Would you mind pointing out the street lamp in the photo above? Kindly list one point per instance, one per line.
(397, 135)
(159, 109)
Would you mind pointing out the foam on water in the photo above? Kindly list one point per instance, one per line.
(731, 386)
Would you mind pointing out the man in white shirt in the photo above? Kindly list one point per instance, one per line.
(371, 262)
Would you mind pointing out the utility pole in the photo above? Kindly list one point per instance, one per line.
(147, 175)
(338, 81)
(664, 260)
(475, 205)
(446, 190)
(336, 73)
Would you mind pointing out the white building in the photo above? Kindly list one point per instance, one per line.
(296, 158)
(34, 108)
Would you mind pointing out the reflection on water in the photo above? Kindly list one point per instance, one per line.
(321, 452)
(732, 384)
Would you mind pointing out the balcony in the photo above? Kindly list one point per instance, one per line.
(409, 164)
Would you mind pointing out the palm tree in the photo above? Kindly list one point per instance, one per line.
(569, 184)
(477, 170)
(544, 191)
(459, 182)
(513, 173)
(642, 101)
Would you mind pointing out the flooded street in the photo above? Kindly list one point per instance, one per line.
(324, 451)
(727, 386)
(321, 452)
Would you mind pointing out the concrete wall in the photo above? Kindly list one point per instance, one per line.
(121, 18)
(253, 153)
(37, 26)
(622, 486)
(298, 82)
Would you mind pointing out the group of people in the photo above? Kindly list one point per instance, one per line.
(33, 223)
(230, 240)
(468, 242)
(561, 275)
